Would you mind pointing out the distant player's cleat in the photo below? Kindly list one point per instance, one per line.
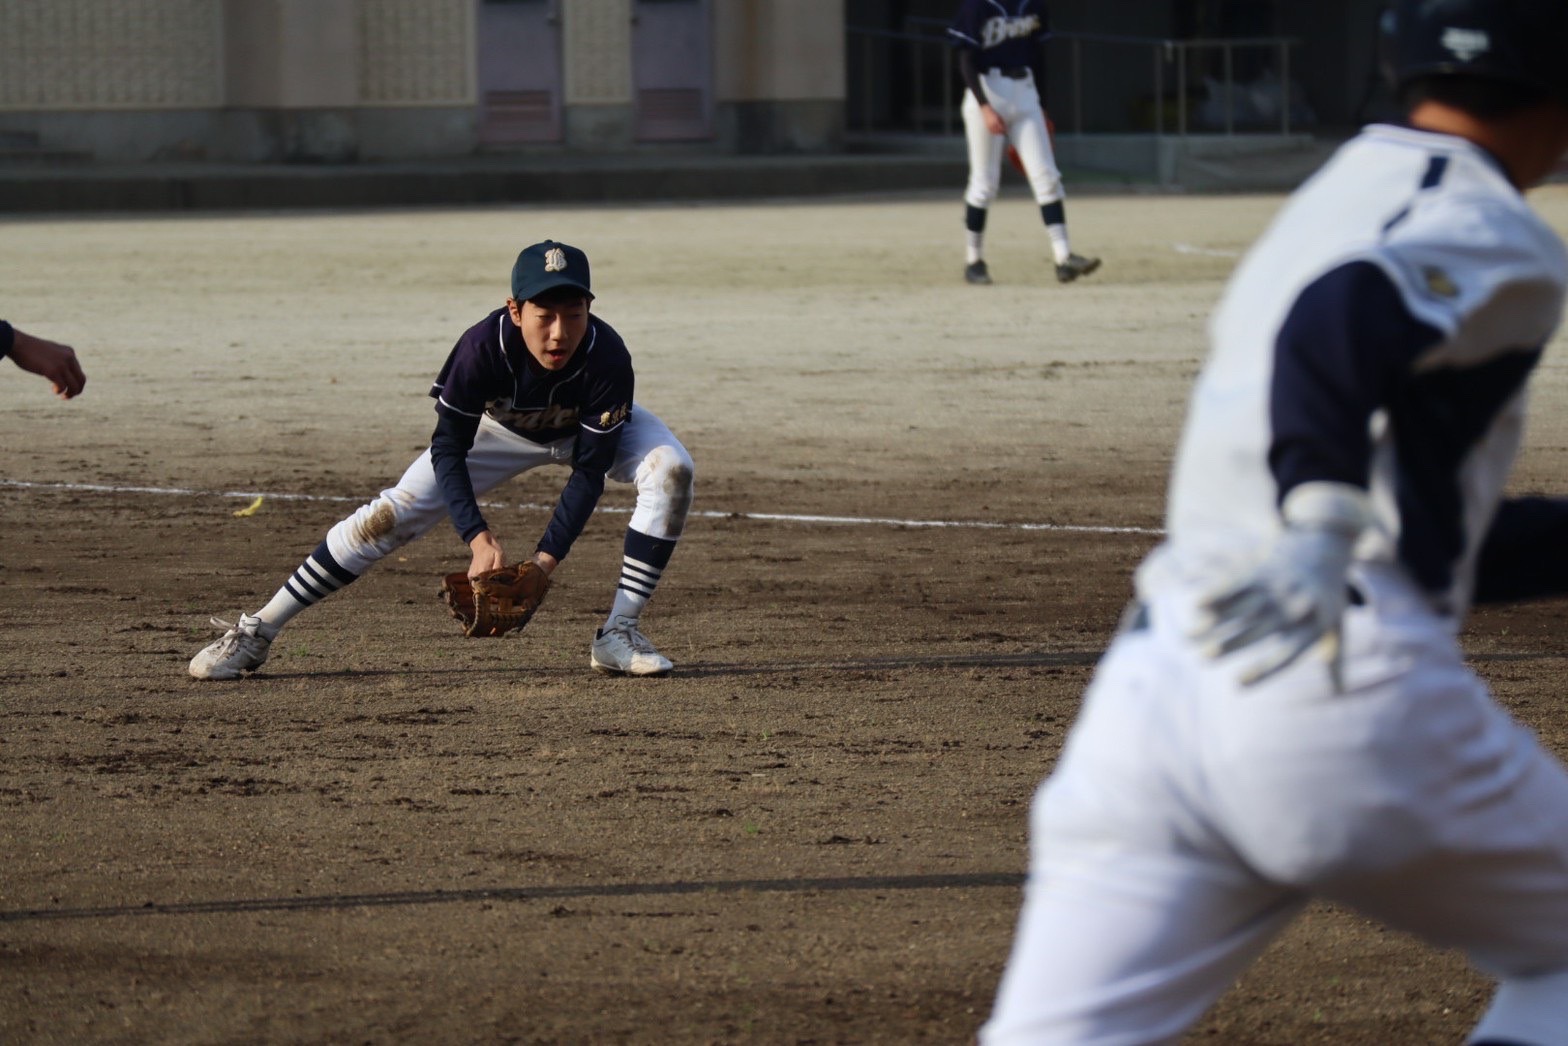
(1075, 266)
(624, 651)
(976, 272)
(242, 649)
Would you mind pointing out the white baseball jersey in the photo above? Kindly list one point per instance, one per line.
(1454, 286)
(1380, 334)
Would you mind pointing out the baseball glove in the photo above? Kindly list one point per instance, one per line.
(497, 601)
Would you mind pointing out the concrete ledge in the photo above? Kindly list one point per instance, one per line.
(180, 187)
(1090, 162)
(1200, 162)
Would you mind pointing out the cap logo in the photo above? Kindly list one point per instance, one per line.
(555, 260)
(1466, 44)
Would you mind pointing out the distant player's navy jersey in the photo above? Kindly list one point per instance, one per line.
(1004, 34)
(491, 373)
(1379, 334)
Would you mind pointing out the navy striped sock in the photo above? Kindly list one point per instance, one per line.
(314, 580)
(642, 564)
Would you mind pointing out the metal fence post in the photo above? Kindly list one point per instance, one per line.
(1159, 87)
(1077, 86)
(1284, 87)
(947, 91)
(867, 102)
(1230, 94)
(880, 49)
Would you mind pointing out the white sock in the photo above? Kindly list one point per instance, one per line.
(1059, 247)
(628, 605)
(268, 629)
(973, 241)
(312, 581)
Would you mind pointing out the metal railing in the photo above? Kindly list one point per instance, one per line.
(1179, 50)
(934, 86)
(920, 47)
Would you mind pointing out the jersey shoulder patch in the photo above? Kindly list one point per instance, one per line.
(1484, 269)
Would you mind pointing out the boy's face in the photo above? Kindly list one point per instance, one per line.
(552, 328)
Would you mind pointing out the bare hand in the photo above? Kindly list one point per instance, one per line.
(993, 120)
(488, 554)
(546, 562)
(52, 360)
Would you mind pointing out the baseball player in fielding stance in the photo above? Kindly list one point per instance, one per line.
(1002, 61)
(1285, 712)
(540, 381)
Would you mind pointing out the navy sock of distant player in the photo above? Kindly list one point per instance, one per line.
(1055, 216)
(974, 229)
(642, 565)
(315, 579)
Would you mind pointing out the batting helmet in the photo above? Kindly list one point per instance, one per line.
(1521, 42)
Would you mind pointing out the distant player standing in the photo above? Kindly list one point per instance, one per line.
(539, 381)
(1002, 61)
(1286, 712)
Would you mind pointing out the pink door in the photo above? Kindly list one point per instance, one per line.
(672, 69)
(519, 58)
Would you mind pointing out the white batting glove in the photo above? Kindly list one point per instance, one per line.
(1295, 599)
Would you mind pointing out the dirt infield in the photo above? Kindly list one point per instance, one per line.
(919, 506)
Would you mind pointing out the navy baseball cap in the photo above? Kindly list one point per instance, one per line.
(546, 266)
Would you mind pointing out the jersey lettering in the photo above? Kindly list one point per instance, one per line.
(1001, 29)
(554, 416)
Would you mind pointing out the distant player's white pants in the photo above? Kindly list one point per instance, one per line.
(1018, 104)
(649, 456)
(1189, 820)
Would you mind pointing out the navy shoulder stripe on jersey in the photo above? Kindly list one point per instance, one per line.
(1344, 352)
(1435, 169)
(1343, 347)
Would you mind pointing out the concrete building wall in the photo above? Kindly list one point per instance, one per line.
(110, 54)
(596, 55)
(779, 79)
(412, 52)
(342, 80)
(242, 80)
(416, 89)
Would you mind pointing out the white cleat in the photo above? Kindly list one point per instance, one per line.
(623, 651)
(242, 649)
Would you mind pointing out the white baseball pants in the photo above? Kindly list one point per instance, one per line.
(1189, 820)
(1018, 104)
(649, 456)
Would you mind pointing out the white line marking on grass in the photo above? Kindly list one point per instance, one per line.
(769, 517)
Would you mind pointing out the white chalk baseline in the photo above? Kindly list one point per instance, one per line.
(769, 517)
